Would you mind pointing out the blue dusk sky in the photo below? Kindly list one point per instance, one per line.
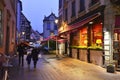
(35, 10)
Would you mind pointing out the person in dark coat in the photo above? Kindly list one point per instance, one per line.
(34, 55)
(28, 59)
(29, 56)
(21, 50)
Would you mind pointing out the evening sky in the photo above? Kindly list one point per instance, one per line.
(35, 10)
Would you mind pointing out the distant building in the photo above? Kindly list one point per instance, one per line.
(49, 26)
(25, 28)
(35, 36)
(19, 10)
(41, 37)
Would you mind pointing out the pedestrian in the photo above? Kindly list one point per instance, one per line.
(28, 58)
(34, 55)
(21, 51)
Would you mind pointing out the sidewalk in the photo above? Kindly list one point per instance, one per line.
(51, 68)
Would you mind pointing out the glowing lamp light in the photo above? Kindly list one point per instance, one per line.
(85, 41)
(56, 21)
(98, 41)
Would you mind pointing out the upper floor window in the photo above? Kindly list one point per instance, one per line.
(73, 9)
(55, 27)
(66, 14)
(82, 5)
(60, 20)
(48, 26)
(23, 22)
(92, 2)
(60, 3)
(1, 27)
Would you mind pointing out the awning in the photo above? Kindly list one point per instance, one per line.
(57, 38)
(79, 24)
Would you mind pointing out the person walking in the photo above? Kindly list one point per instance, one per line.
(29, 56)
(21, 51)
(34, 55)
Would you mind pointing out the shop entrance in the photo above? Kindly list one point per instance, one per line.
(116, 49)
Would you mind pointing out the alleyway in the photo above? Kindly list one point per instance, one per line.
(51, 68)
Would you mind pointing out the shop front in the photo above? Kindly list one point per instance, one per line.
(86, 42)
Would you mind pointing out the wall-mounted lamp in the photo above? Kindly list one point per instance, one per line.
(23, 33)
(90, 22)
(56, 21)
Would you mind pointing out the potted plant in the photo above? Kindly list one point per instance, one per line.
(111, 68)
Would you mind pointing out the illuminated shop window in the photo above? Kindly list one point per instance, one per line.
(83, 37)
(75, 38)
(96, 35)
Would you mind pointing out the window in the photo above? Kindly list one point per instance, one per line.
(97, 35)
(48, 26)
(73, 9)
(93, 2)
(60, 4)
(1, 33)
(55, 27)
(83, 37)
(75, 38)
(66, 14)
(82, 5)
(23, 22)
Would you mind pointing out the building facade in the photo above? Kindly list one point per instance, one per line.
(8, 26)
(90, 29)
(19, 10)
(25, 28)
(49, 26)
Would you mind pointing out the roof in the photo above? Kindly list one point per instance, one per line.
(47, 18)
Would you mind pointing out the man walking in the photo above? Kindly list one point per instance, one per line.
(21, 50)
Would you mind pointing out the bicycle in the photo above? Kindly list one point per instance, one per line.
(6, 66)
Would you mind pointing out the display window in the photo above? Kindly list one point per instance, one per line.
(96, 36)
(83, 37)
(75, 38)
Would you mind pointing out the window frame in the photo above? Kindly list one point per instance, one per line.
(1, 28)
(81, 5)
(73, 8)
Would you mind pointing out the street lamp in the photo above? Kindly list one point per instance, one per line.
(23, 34)
(56, 21)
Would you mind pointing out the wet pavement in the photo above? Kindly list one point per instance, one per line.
(51, 68)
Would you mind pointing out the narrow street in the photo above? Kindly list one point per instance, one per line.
(51, 68)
